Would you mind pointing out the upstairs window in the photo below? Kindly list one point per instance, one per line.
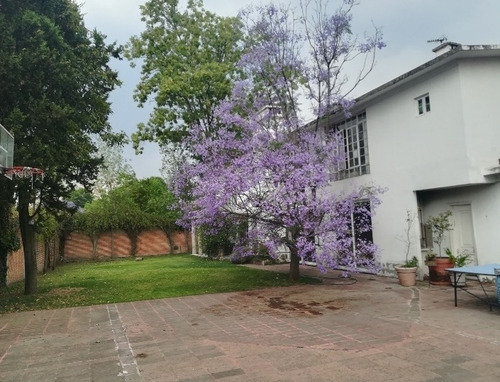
(354, 146)
(423, 104)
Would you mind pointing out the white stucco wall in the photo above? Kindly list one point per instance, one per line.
(446, 148)
(484, 201)
(481, 99)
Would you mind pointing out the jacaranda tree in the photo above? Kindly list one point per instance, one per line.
(263, 165)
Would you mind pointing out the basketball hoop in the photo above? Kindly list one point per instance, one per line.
(23, 172)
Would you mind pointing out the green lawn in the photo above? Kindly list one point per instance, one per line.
(91, 283)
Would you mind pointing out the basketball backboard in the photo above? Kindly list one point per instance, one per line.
(6, 150)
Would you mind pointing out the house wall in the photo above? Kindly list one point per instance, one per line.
(481, 99)
(485, 207)
(445, 149)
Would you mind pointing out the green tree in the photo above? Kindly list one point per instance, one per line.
(154, 198)
(189, 66)
(80, 197)
(132, 207)
(114, 211)
(114, 169)
(54, 87)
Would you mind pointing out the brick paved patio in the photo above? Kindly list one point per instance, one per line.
(372, 329)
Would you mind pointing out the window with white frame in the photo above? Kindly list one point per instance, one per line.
(423, 104)
(355, 147)
(361, 229)
(362, 223)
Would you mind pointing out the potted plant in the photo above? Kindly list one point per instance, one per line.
(437, 263)
(407, 273)
(459, 261)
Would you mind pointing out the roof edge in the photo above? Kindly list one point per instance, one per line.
(442, 58)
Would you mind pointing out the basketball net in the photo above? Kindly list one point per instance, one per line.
(23, 172)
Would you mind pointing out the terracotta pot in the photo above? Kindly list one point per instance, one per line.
(407, 276)
(437, 273)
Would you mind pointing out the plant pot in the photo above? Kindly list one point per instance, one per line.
(438, 275)
(407, 275)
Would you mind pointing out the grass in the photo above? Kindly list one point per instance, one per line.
(93, 283)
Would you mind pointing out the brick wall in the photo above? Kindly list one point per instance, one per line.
(77, 246)
(116, 244)
(15, 266)
(15, 260)
(113, 244)
(152, 243)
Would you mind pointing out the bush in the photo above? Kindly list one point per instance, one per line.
(217, 244)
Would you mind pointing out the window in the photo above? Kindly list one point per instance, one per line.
(361, 230)
(354, 146)
(357, 238)
(423, 104)
(362, 227)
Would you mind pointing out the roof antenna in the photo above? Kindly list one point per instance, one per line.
(440, 40)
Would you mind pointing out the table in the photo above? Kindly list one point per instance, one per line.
(477, 270)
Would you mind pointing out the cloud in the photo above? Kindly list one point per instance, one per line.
(407, 25)
(118, 20)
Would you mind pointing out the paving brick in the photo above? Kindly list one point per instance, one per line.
(377, 331)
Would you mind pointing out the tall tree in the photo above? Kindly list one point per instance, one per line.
(189, 65)
(113, 170)
(263, 165)
(54, 87)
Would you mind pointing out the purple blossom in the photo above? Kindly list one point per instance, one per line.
(263, 166)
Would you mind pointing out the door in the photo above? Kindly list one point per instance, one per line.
(462, 235)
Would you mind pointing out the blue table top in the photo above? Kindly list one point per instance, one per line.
(486, 269)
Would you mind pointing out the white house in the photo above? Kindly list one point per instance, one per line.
(431, 137)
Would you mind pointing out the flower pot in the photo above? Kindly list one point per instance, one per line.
(438, 275)
(407, 275)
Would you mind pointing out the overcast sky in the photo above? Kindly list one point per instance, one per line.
(407, 25)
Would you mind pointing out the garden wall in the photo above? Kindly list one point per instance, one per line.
(116, 244)
(47, 255)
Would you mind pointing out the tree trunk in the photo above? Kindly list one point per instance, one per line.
(133, 236)
(62, 244)
(294, 265)
(8, 238)
(170, 240)
(53, 255)
(28, 238)
(187, 236)
(4, 248)
(46, 257)
(94, 239)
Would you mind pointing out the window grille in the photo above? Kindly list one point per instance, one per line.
(355, 147)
